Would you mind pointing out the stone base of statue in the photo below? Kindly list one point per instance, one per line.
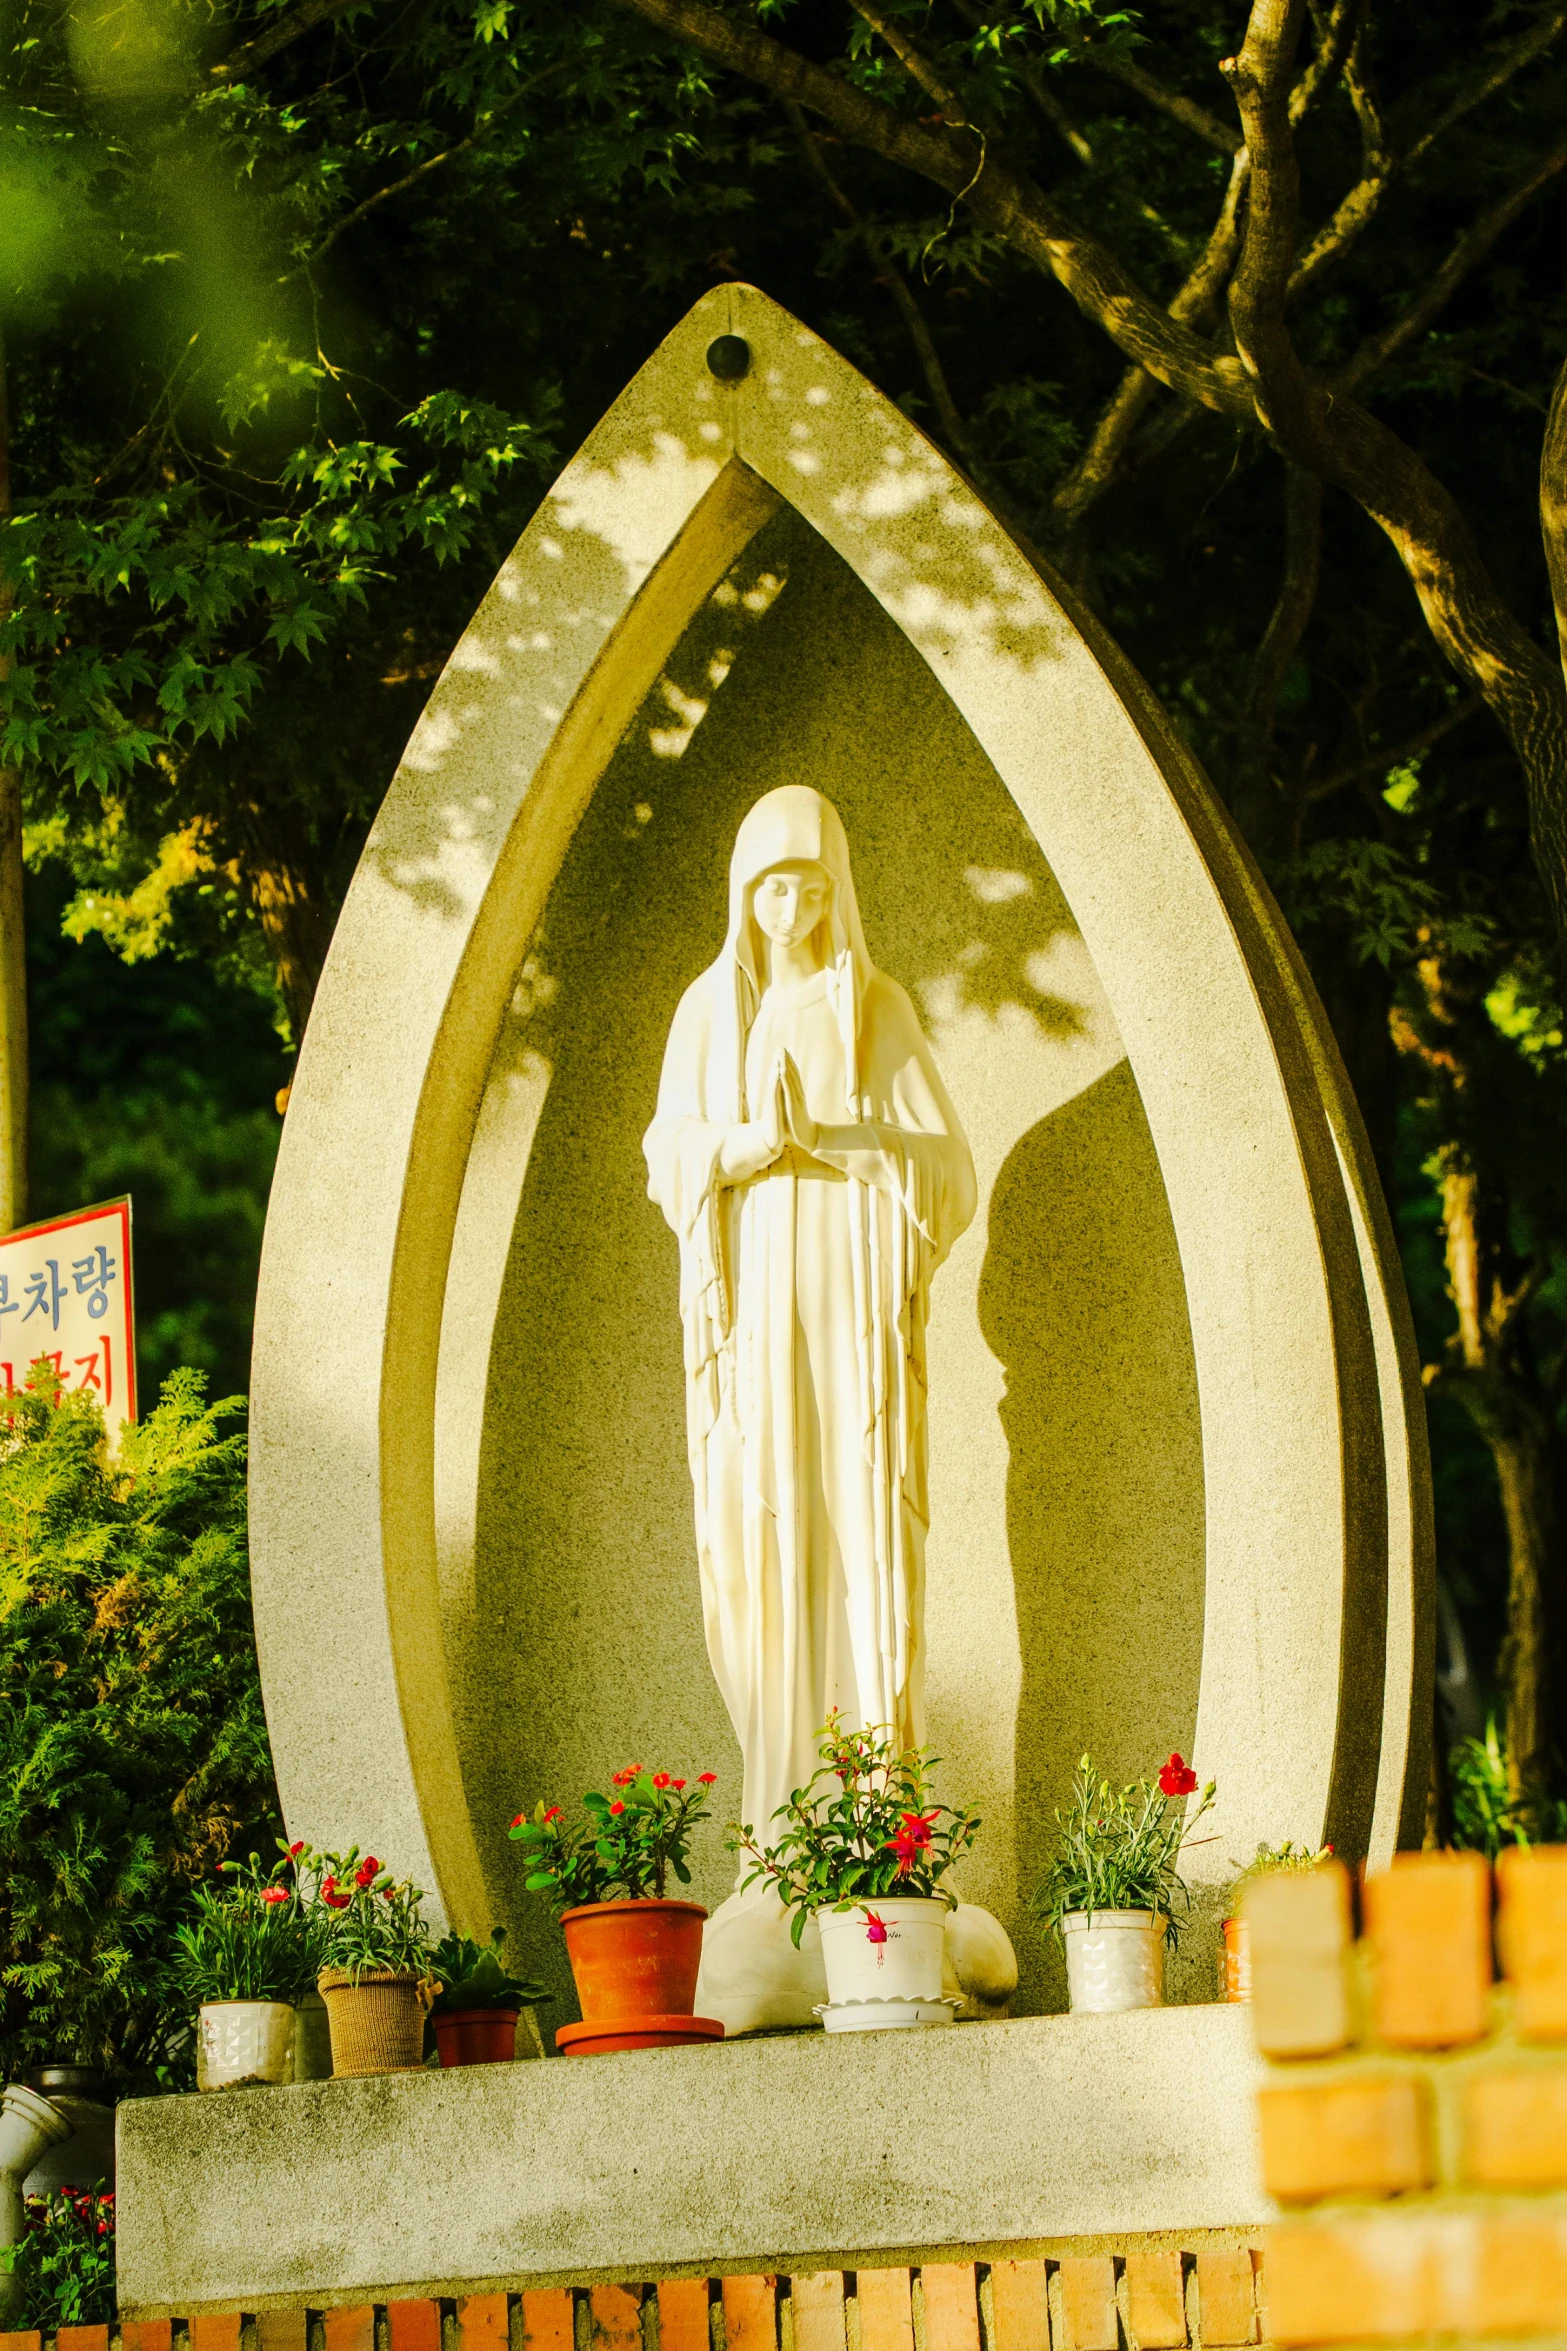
(754, 1978)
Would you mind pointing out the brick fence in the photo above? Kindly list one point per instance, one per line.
(1151, 2299)
(1416, 2111)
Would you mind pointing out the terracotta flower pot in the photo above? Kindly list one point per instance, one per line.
(1237, 1959)
(377, 2024)
(476, 2036)
(634, 1959)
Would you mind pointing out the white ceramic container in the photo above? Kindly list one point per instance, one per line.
(1114, 1960)
(906, 1966)
(244, 2044)
(879, 2016)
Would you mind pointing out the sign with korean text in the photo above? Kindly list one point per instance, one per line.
(65, 1292)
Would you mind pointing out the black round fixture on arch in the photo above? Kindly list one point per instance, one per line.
(729, 358)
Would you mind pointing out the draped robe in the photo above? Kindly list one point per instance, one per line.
(804, 1293)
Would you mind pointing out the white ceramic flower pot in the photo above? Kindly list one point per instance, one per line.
(244, 2044)
(906, 1966)
(1114, 1960)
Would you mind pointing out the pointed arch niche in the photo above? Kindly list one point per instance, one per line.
(1179, 1489)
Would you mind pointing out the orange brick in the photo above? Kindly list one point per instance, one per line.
(951, 2306)
(617, 2318)
(1088, 2302)
(683, 2323)
(1428, 1919)
(1364, 2137)
(1519, 2277)
(215, 2331)
(751, 2313)
(1297, 1924)
(1531, 1934)
(157, 2334)
(277, 2330)
(482, 2323)
(1226, 2302)
(24, 2339)
(817, 2299)
(1020, 2306)
(1155, 2301)
(548, 2319)
(410, 2326)
(350, 2330)
(886, 2316)
(1515, 2128)
(82, 2338)
(1352, 2281)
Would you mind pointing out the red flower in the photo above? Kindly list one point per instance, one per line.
(368, 1871)
(274, 1894)
(553, 1813)
(875, 1928)
(706, 1779)
(388, 1893)
(677, 1785)
(1177, 1778)
(617, 1808)
(521, 1817)
(623, 1779)
(912, 1839)
(332, 1896)
(661, 1779)
(296, 1849)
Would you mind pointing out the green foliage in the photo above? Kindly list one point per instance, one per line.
(64, 2261)
(1486, 1815)
(475, 1975)
(133, 1750)
(1120, 1848)
(252, 1937)
(364, 1917)
(624, 1850)
(865, 1826)
(1278, 1860)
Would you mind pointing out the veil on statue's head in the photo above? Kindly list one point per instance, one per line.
(792, 826)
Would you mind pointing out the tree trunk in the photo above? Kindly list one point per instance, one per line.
(13, 937)
(296, 925)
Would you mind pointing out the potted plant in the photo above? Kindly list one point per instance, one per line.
(1112, 1891)
(1267, 1861)
(246, 1957)
(375, 1964)
(473, 2018)
(863, 1850)
(634, 1951)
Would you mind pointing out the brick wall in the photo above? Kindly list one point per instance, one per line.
(1153, 2297)
(1415, 2118)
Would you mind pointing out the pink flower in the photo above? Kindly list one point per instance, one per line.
(875, 1928)
(1177, 1778)
(274, 1895)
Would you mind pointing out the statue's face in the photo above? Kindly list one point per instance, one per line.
(789, 901)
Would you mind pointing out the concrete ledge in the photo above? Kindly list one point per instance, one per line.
(789, 2153)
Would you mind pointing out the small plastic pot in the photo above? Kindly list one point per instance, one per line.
(1237, 1959)
(476, 2036)
(1114, 1960)
(377, 2024)
(903, 1961)
(244, 2044)
(634, 1959)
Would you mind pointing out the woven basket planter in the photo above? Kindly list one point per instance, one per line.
(377, 2024)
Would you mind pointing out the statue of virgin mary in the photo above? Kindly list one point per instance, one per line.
(812, 1168)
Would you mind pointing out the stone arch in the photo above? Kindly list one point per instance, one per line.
(373, 1331)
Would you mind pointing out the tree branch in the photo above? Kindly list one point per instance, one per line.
(1553, 505)
(1472, 247)
(1259, 76)
(278, 35)
(1378, 763)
